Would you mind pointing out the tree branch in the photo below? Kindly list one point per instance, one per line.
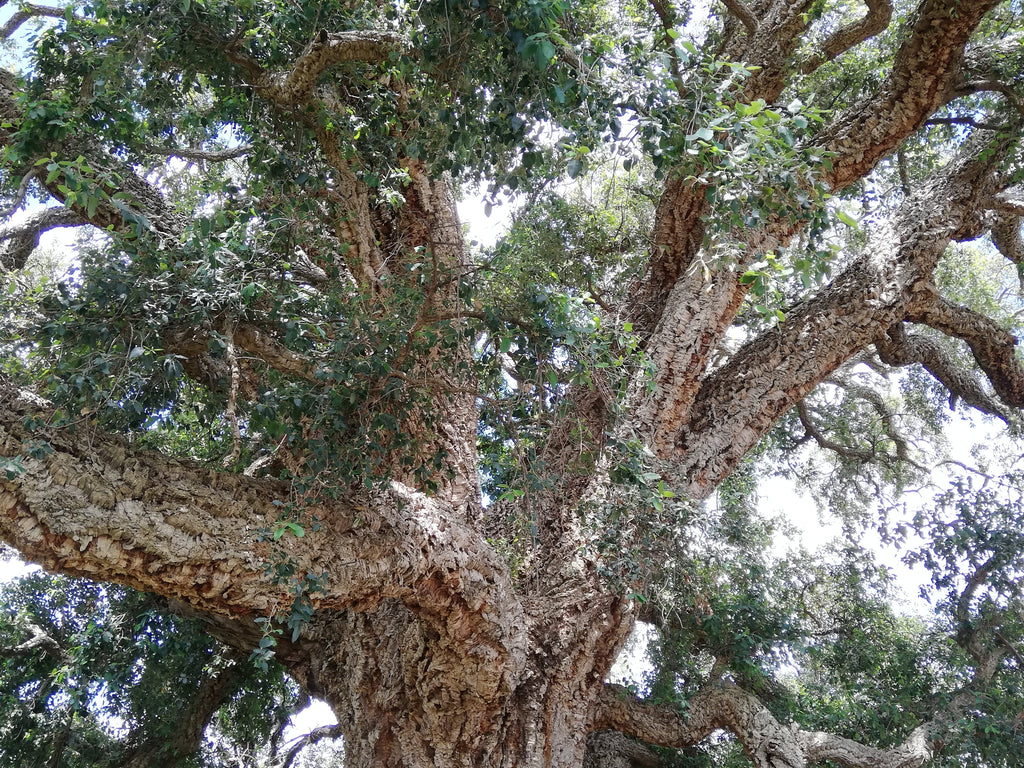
(19, 196)
(214, 156)
(92, 507)
(765, 741)
(992, 346)
(740, 401)
(17, 241)
(295, 86)
(1007, 238)
(994, 86)
(40, 640)
(314, 736)
(876, 20)
(739, 9)
(25, 12)
(970, 121)
(666, 15)
(925, 68)
(897, 347)
(1005, 204)
(190, 721)
(812, 431)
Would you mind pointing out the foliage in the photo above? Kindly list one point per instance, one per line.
(576, 112)
(96, 673)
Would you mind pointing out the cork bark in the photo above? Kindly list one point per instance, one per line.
(426, 645)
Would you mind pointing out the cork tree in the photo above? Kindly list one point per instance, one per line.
(281, 390)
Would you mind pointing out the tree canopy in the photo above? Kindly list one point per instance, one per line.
(279, 428)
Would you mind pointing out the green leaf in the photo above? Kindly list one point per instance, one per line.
(846, 218)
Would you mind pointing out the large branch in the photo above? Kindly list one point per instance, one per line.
(926, 66)
(695, 302)
(898, 348)
(25, 12)
(18, 240)
(993, 347)
(766, 742)
(738, 403)
(843, 39)
(295, 86)
(93, 507)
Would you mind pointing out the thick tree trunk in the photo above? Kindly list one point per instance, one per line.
(407, 695)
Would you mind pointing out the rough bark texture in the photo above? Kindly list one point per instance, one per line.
(428, 648)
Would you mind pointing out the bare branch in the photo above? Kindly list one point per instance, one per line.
(995, 86)
(666, 14)
(899, 348)
(812, 431)
(970, 121)
(843, 39)
(314, 736)
(25, 12)
(215, 156)
(17, 241)
(993, 346)
(739, 9)
(19, 196)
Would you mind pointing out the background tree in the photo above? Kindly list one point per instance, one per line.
(438, 486)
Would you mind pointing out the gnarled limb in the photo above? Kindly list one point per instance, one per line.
(739, 402)
(295, 86)
(739, 9)
(993, 347)
(926, 67)
(17, 241)
(93, 507)
(898, 347)
(766, 742)
(28, 11)
(695, 306)
(876, 20)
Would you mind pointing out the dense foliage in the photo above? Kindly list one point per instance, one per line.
(229, 309)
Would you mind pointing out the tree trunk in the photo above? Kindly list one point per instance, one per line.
(407, 695)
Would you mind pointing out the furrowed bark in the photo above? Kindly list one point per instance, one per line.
(898, 347)
(92, 507)
(994, 347)
(924, 71)
(738, 403)
(766, 742)
(696, 306)
(17, 241)
(876, 20)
